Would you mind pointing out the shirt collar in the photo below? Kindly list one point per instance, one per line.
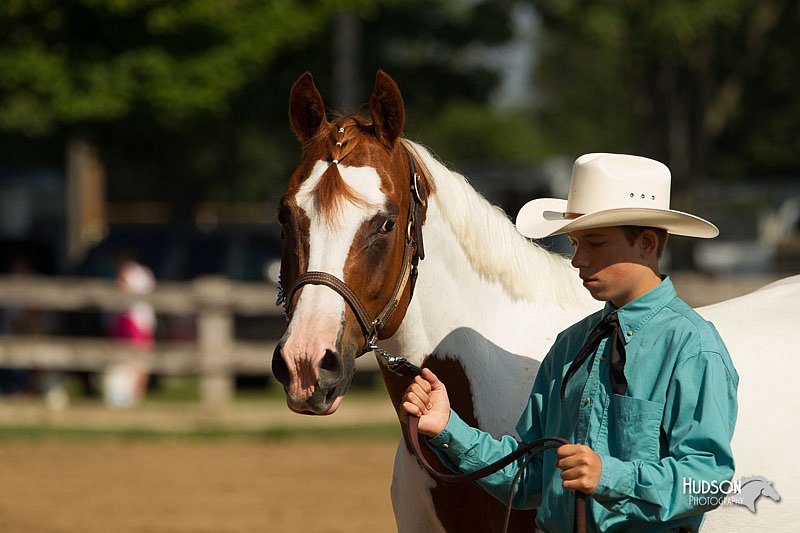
(635, 314)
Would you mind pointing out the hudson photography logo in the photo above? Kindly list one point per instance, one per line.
(744, 491)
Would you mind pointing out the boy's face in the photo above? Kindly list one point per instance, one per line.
(611, 268)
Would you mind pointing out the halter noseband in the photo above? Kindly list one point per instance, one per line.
(413, 251)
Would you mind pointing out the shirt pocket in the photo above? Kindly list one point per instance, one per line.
(633, 428)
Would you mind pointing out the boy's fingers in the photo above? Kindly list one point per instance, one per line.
(569, 462)
(573, 455)
(566, 450)
(421, 403)
(429, 377)
(422, 383)
(411, 409)
(415, 391)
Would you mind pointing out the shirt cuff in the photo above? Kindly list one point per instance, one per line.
(454, 439)
(455, 445)
(616, 479)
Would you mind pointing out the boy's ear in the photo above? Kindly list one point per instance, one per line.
(648, 243)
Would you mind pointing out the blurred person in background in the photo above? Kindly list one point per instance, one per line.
(126, 383)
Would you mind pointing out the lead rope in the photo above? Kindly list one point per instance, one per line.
(530, 449)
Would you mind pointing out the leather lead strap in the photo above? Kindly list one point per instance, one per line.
(529, 449)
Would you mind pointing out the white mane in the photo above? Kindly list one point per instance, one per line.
(492, 244)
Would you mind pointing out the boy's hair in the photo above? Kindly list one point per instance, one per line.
(633, 232)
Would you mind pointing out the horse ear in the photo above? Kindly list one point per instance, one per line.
(306, 108)
(386, 108)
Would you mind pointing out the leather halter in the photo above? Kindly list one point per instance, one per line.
(413, 251)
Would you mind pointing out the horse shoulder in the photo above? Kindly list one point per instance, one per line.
(761, 332)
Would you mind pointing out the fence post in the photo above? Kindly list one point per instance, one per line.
(215, 339)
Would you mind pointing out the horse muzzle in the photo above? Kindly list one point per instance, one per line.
(313, 385)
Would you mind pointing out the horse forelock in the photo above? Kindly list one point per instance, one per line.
(332, 192)
(492, 244)
(336, 144)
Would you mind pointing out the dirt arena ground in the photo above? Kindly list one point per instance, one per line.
(62, 482)
(195, 487)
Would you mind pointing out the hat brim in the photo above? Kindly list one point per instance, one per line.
(544, 217)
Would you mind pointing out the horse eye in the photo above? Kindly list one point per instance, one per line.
(388, 225)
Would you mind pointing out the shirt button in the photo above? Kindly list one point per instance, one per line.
(602, 357)
(445, 445)
(586, 401)
(630, 333)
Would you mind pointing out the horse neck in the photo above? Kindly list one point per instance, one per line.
(480, 274)
(487, 306)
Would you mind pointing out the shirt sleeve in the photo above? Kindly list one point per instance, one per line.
(699, 418)
(467, 449)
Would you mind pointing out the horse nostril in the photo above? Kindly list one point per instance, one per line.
(279, 369)
(330, 368)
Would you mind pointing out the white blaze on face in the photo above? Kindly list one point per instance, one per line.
(318, 314)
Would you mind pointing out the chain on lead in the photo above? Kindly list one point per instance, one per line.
(398, 365)
(389, 358)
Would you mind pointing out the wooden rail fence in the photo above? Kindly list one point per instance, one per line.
(216, 357)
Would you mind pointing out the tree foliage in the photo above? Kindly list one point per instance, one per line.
(187, 100)
(80, 62)
(701, 85)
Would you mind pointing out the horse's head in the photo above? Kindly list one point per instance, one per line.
(351, 218)
(768, 490)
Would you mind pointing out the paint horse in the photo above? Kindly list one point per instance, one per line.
(481, 308)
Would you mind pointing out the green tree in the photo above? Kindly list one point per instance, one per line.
(433, 50)
(186, 101)
(703, 86)
(154, 84)
(94, 61)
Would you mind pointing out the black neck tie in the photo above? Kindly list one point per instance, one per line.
(609, 326)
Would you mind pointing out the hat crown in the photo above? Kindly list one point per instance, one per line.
(613, 181)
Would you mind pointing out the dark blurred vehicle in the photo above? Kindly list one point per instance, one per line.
(39, 256)
(183, 253)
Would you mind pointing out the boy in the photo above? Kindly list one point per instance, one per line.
(645, 388)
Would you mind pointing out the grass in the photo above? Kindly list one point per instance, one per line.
(273, 434)
(187, 390)
(177, 392)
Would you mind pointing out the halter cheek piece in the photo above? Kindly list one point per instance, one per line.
(412, 253)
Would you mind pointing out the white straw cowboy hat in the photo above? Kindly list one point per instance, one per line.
(612, 190)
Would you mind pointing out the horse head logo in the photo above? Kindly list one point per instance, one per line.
(751, 489)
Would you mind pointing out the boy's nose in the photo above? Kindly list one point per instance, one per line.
(579, 259)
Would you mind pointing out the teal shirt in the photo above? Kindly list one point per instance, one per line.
(674, 424)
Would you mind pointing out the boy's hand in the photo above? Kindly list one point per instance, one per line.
(580, 467)
(427, 398)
